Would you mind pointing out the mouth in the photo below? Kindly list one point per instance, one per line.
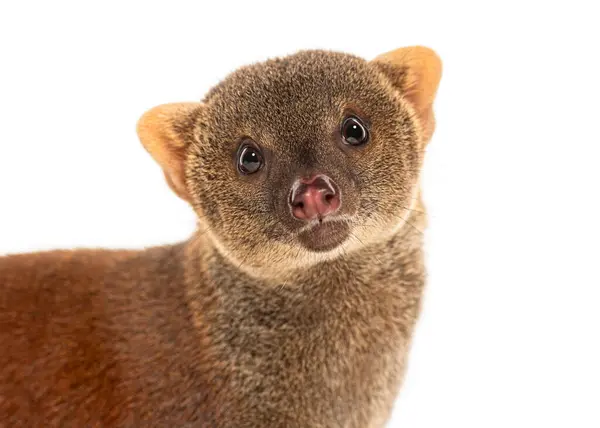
(322, 236)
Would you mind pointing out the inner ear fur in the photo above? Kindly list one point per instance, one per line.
(416, 72)
(166, 132)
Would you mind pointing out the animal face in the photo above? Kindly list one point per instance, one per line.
(299, 159)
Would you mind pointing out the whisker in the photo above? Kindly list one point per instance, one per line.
(363, 244)
(372, 205)
(410, 224)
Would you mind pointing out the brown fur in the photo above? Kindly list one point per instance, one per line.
(241, 326)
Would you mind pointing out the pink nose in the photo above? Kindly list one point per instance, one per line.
(316, 197)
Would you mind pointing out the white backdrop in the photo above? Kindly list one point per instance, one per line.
(509, 332)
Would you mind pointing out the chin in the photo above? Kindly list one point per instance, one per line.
(316, 242)
(324, 236)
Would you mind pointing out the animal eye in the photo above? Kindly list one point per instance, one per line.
(250, 159)
(354, 133)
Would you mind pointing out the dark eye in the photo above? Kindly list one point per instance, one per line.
(250, 159)
(354, 132)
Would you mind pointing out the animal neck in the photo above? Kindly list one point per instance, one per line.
(331, 282)
(327, 326)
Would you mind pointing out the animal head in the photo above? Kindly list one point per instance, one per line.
(300, 159)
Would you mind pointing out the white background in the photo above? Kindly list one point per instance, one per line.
(509, 333)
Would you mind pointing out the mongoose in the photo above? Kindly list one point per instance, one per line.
(294, 302)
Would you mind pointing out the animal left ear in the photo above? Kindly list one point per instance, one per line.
(416, 72)
(166, 131)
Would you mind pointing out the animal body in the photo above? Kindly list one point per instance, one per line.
(294, 302)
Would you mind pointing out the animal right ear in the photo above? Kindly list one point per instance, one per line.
(166, 132)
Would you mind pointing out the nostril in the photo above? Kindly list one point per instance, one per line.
(314, 199)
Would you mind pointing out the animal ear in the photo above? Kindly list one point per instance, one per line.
(416, 72)
(166, 132)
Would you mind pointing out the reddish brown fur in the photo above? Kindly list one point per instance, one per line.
(189, 334)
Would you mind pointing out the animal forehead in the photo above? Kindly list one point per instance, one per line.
(308, 79)
(299, 97)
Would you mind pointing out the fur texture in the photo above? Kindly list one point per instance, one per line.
(244, 324)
